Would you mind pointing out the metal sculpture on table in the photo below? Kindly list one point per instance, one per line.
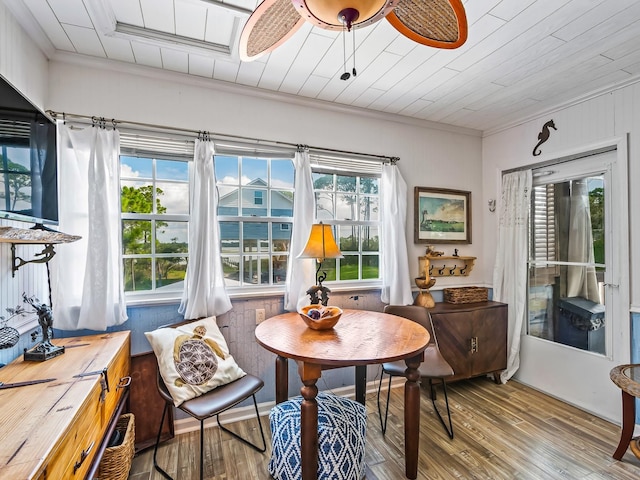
(45, 350)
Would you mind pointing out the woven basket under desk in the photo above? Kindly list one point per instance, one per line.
(116, 462)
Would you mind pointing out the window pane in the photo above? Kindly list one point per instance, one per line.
(136, 197)
(345, 184)
(281, 203)
(172, 170)
(254, 171)
(369, 185)
(370, 239)
(280, 237)
(136, 237)
(349, 267)
(231, 270)
(348, 238)
(254, 202)
(255, 270)
(230, 237)
(137, 274)
(369, 209)
(172, 198)
(329, 267)
(226, 170)
(228, 201)
(282, 173)
(255, 237)
(172, 237)
(136, 167)
(280, 269)
(322, 181)
(346, 207)
(324, 206)
(370, 266)
(170, 272)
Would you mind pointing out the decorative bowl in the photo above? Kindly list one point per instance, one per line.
(328, 316)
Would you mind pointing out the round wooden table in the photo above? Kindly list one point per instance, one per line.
(627, 377)
(360, 338)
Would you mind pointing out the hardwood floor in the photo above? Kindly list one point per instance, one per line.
(501, 432)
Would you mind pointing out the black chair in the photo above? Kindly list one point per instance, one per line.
(209, 404)
(433, 367)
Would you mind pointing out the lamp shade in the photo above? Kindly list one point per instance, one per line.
(321, 244)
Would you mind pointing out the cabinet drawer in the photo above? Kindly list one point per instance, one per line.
(83, 436)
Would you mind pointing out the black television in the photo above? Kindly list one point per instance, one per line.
(28, 160)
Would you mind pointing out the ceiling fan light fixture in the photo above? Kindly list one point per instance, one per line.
(435, 23)
(327, 13)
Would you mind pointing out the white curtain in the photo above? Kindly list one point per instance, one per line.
(581, 280)
(396, 281)
(86, 276)
(204, 292)
(510, 271)
(300, 271)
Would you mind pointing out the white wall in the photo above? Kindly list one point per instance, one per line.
(22, 63)
(604, 119)
(447, 157)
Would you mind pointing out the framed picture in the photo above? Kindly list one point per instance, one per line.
(442, 215)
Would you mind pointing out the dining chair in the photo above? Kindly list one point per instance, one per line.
(434, 365)
(210, 404)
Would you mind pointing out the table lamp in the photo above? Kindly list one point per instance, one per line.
(321, 245)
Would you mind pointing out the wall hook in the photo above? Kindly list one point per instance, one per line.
(452, 270)
(441, 271)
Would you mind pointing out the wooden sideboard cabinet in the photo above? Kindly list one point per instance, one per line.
(472, 337)
(58, 429)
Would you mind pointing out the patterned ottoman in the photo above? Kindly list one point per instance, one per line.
(342, 430)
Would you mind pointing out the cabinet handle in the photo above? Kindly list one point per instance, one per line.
(83, 456)
(124, 383)
(474, 344)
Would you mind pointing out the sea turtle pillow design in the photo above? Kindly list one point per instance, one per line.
(193, 358)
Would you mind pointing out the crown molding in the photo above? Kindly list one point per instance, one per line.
(31, 27)
(226, 87)
(564, 105)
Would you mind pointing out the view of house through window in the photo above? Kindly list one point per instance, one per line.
(255, 215)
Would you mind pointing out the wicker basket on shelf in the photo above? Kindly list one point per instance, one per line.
(466, 295)
(116, 462)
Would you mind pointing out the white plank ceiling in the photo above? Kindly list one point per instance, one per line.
(521, 57)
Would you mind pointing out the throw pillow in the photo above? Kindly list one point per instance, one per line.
(193, 359)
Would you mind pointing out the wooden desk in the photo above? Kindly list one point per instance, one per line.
(57, 430)
(627, 377)
(360, 338)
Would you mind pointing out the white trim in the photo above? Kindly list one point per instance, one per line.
(226, 87)
(562, 106)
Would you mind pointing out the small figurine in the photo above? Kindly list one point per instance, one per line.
(433, 253)
(45, 349)
(455, 252)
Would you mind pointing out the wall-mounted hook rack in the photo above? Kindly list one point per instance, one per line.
(442, 270)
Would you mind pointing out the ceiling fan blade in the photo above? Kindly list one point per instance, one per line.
(436, 23)
(268, 27)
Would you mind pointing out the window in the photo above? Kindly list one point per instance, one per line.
(350, 203)
(255, 215)
(255, 211)
(154, 198)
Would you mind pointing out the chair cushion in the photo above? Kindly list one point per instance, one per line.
(342, 431)
(433, 366)
(193, 359)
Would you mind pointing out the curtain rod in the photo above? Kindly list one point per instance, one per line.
(213, 135)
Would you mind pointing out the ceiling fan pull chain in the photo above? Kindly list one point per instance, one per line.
(345, 75)
(354, 52)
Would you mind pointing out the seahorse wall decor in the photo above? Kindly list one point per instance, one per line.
(543, 136)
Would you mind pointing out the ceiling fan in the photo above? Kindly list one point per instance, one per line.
(436, 23)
